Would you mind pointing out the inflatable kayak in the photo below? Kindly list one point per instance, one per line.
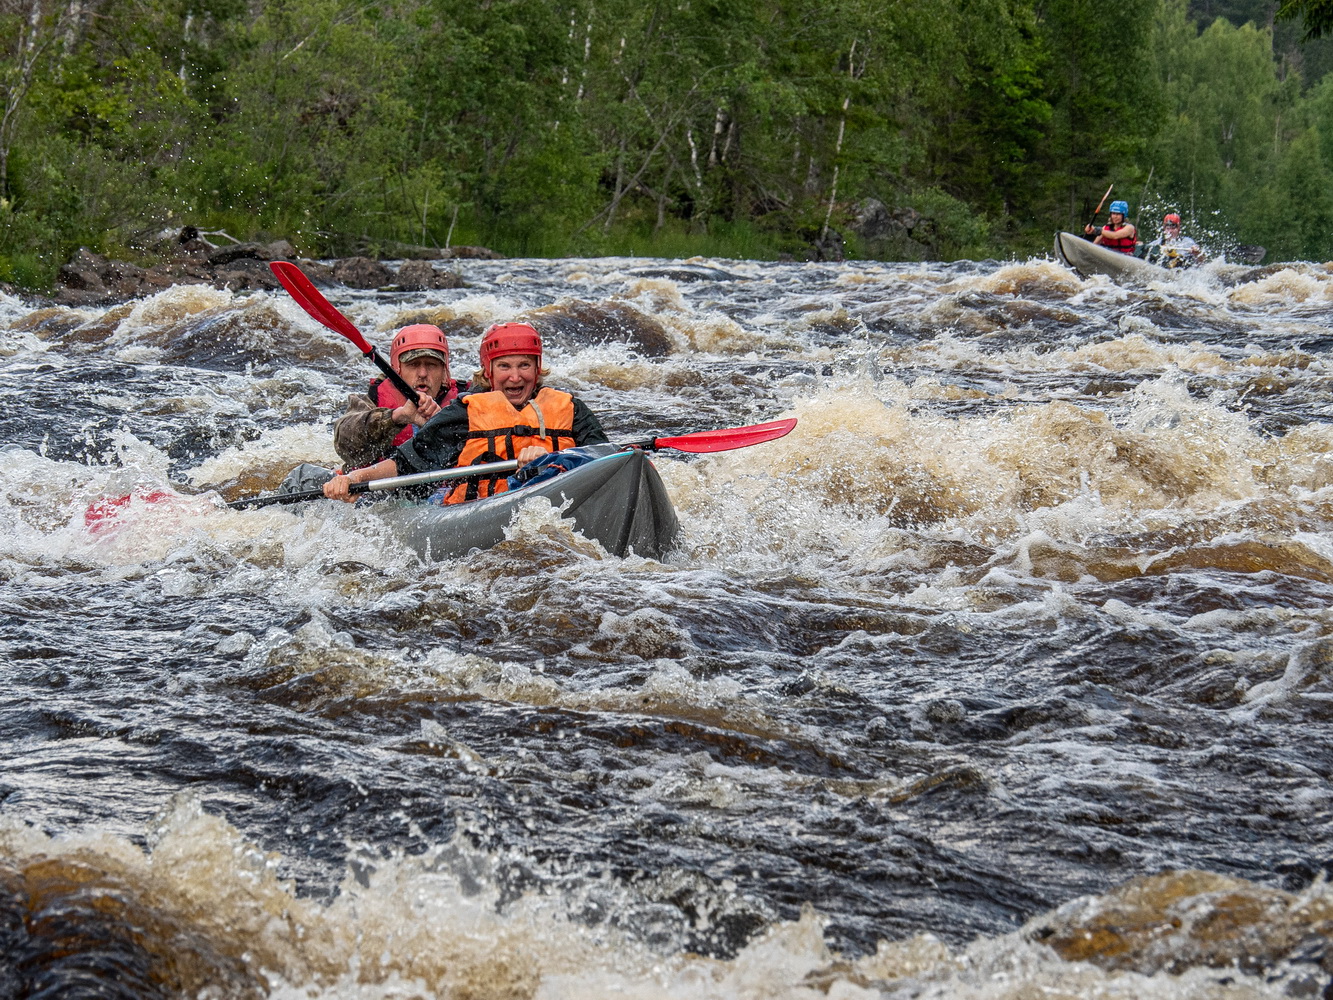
(1087, 258)
(616, 499)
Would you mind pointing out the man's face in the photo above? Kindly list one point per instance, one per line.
(425, 374)
(516, 376)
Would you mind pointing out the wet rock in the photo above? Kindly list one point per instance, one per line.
(825, 244)
(423, 276)
(90, 279)
(887, 232)
(588, 323)
(244, 274)
(277, 250)
(362, 272)
(1177, 920)
(393, 250)
(228, 255)
(81, 279)
(123, 279)
(319, 274)
(684, 272)
(470, 253)
(74, 298)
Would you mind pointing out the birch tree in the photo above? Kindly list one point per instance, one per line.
(30, 31)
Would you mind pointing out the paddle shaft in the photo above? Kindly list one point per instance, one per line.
(392, 483)
(1098, 210)
(723, 439)
(309, 298)
(399, 383)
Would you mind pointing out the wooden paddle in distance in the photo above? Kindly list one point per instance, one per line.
(1092, 222)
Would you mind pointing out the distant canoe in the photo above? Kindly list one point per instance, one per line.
(1087, 258)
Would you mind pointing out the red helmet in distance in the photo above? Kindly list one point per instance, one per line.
(418, 337)
(1171, 219)
(503, 339)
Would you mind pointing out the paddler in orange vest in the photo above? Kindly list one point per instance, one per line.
(510, 415)
(378, 421)
(1118, 233)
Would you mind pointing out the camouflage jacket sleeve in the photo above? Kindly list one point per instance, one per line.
(364, 434)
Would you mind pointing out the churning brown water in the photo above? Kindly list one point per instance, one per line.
(1007, 674)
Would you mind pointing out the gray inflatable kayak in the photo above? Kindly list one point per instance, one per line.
(1087, 258)
(617, 499)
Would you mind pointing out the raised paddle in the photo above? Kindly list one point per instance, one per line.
(1096, 212)
(723, 439)
(309, 298)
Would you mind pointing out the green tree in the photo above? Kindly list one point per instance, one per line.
(1106, 102)
(1317, 15)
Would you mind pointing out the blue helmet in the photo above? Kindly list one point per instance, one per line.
(1120, 206)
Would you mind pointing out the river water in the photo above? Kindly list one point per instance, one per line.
(1008, 673)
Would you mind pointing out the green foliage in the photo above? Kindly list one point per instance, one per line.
(676, 127)
(26, 255)
(1317, 15)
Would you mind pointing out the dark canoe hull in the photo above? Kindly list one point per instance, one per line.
(618, 500)
(1087, 258)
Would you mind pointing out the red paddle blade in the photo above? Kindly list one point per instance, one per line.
(727, 438)
(308, 297)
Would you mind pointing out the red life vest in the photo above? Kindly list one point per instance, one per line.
(1123, 244)
(382, 393)
(497, 433)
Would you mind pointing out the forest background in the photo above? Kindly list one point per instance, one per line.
(672, 128)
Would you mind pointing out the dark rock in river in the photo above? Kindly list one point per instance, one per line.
(470, 253)
(423, 276)
(245, 273)
(685, 272)
(604, 322)
(90, 279)
(362, 272)
(393, 250)
(319, 274)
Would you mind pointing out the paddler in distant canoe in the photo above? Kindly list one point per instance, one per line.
(510, 415)
(378, 421)
(1118, 233)
(1173, 248)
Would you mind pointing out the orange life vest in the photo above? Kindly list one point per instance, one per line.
(497, 433)
(1124, 244)
(383, 393)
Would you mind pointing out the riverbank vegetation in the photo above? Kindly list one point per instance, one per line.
(735, 128)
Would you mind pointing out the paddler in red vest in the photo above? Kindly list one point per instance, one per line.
(510, 414)
(1118, 233)
(380, 420)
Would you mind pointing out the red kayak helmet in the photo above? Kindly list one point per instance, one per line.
(502, 339)
(418, 337)
(1171, 219)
